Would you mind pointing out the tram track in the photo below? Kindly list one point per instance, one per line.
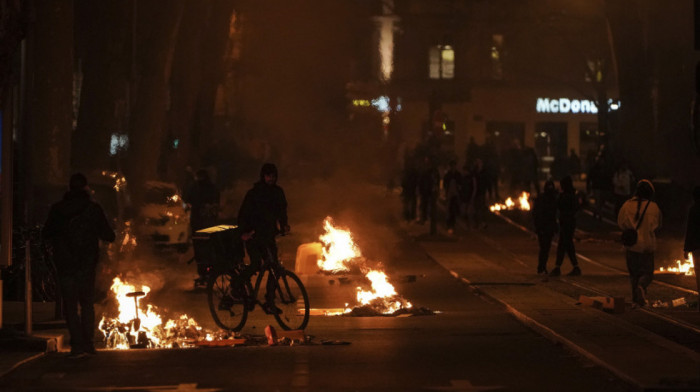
(678, 323)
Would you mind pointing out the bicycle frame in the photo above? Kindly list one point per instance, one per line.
(254, 289)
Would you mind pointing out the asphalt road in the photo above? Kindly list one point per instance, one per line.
(470, 344)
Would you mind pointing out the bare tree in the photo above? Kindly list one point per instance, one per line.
(156, 32)
(103, 43)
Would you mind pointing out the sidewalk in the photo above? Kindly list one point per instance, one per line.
(16, 347)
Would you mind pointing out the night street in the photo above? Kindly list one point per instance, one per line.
(472, 343)
(349, 195)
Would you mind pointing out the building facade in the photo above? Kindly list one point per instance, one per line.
(531, 72)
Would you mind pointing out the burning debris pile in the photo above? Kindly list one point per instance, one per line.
(523, 204)
(139, 327)
(341, 255)
(685, 267)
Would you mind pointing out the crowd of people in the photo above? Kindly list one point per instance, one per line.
(608, 184)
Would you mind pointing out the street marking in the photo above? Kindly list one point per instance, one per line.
(464, 386)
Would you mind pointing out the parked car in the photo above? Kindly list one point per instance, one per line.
(164, 218)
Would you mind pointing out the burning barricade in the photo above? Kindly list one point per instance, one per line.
(523, 203)
(139, 326)
(340, 255)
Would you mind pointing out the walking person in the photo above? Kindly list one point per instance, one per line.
(428, 186)
(452, 183)
(692, 236)
(409, 189)
(73, 229)
(477, 201)
(643, 215)
(203, 198)
(568, 205)
(600, 182)
(544, 213)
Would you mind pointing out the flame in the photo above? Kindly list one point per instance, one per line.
(339, 252)
(523, 204)
(685, 267)
(123, 330)
(338, 248)
(382, 295)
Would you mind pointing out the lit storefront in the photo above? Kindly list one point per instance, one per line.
(553, 122)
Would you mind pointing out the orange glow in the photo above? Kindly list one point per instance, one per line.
(339, 253)
(523, 204)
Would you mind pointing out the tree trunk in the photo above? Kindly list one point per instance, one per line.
(49, 115)
(214, 42)
(635, 139)
(156, 31)
(185, 87)
(103, 34)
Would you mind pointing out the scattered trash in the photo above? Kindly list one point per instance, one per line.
(370, 311)
(285, 338)
(678, 301)
(611, 304)
(659, 304)
(670, 304)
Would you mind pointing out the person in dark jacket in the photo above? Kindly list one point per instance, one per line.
(73, 230)
(544, 213)
(409, 188)
(477, 200)
(452, 183)
(428, 185)
(692, 235)
(203, 198)
(263, 215)
(568, 205)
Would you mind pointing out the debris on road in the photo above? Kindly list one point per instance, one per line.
(670, 304)
(285, 338)
(372, 311)
(611, 304)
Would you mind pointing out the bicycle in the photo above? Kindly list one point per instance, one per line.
(229, 305)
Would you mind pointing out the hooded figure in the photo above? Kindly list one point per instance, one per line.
(568, 205)
(641, 210)
(544, 214)
(203, 197)
(73, 229)
(263, 215)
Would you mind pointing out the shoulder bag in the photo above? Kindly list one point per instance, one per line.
(629, 236)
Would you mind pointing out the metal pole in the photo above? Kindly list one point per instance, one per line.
(27, 286)
(6, 187)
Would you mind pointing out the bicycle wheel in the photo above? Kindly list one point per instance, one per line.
(227, 311)
(291, 297)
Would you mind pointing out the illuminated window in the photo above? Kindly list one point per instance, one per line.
(497, 56)
(442, 62)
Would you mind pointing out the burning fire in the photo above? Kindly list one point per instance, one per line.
(383, 296)
(144, 328)
(522, 204)
(685, 267)
(339, 252)
(339, 249)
